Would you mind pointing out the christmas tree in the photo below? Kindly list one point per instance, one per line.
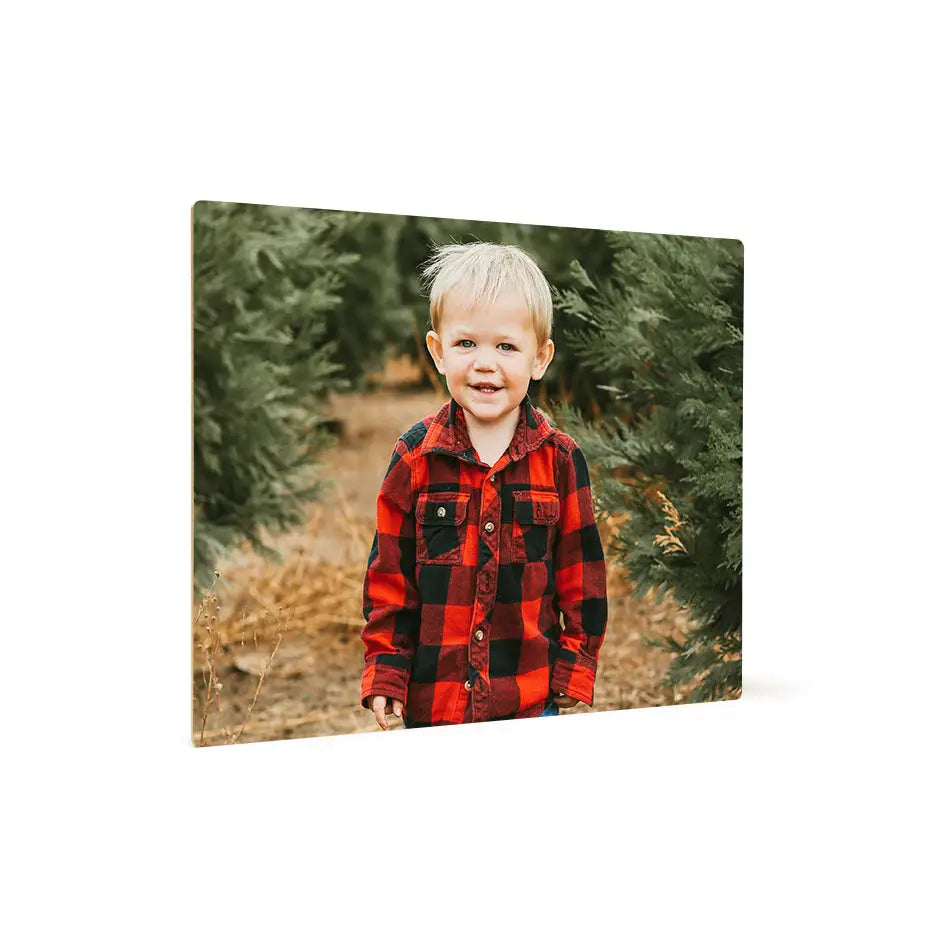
(265, 280)
(665, 328)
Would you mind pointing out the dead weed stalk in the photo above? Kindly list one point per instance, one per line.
(210, 646)
(257, 689)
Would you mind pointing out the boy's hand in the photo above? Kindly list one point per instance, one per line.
(565, 702)
(379, 705)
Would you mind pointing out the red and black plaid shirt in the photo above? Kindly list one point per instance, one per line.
(470, 569)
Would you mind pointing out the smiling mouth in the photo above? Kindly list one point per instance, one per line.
(484, 388)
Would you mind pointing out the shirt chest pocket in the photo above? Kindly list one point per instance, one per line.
(535, 515)
(441, 527)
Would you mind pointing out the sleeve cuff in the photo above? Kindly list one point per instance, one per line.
(384, 680)
(576, 678)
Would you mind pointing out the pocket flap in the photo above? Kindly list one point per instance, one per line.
(442, 507)
(537, 507)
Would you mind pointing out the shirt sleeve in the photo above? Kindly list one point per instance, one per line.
(580, 572)
(390, 600)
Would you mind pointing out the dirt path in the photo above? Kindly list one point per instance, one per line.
(310, 606)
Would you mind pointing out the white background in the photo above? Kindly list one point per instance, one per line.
(805, 808)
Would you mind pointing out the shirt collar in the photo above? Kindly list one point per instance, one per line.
(449, 434)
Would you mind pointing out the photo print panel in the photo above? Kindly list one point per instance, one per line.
(450, 471)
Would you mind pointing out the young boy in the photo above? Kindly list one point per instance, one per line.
(485, 528)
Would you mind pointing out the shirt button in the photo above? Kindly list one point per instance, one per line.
(441, 512)
(491, 478)
(467, 685)
(479, 635)
(489, 527)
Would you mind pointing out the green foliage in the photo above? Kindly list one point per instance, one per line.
(375, 317)
(665, 331)
(265, 280)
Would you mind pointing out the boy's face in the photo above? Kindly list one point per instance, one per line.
(489, 354)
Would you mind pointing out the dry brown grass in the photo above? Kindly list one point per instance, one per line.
(210, 645)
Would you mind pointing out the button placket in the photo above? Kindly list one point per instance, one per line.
(478, 649)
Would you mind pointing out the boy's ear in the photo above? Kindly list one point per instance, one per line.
(543, 358)
(435, 347)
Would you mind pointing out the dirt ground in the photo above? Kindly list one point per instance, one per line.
(276, 650)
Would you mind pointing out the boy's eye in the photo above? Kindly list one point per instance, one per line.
(507, 346)
(466, 343)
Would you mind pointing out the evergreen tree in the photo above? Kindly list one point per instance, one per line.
(665, 329)
(375, 319)
(264, 281)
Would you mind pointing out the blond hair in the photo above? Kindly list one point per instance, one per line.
(485, 270)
